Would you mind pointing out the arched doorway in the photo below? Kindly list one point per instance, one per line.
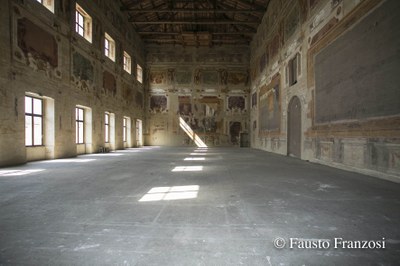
(294, 128)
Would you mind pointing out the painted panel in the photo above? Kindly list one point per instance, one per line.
(82, 68)
(357, 75)
(109, 83)
(36, 42)
(158, 103)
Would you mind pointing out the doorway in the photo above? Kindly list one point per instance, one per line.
(294, 128)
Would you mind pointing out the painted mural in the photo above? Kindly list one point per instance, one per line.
(210, 77)
(270, 106)
(157, 77)
(158, 104)
(39, 46)
(82, 68)
(109, 84)
(237, 78)
(183, 77)
(292, 21)
(139, 99)
(236, 103)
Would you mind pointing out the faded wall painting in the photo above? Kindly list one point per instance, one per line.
(157, 77)
(237, 78)
(183, 77)
(254, 100)
(210, 77)
(274, 46)
(236, 103)
(185, 106)
(158, 103)
(82, 68)
(369, 63)
(37, 44)
(292, 21)
(127, 94)
(270, 106)
(263, 62)
(139, 99)
(109, 83)
(234, 132)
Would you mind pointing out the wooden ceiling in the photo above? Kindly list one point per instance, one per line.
(195, 22)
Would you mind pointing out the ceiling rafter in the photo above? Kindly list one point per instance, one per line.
(195, 22)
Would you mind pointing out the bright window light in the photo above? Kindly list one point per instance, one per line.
(188, 168)
(171, 193)
(189, 131)
(19, 172)
(70, 161)
(198, 154)
(194, 159)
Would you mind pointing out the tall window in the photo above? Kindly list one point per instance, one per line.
(49, 4)
(125, 129)
(109, 47)
(80, 122)
(33, 121)
(127, 62)
(139, 73)
(107, 127)
(293, 70)
(83, 23)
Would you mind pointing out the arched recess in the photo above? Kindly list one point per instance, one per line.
(294, 128)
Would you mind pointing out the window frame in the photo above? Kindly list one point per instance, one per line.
(48, 4)
(78, 122)
(107, 127)
(33, 115)
(86, 25)
(127, 62)
(125, 129)
(109, 47)
(139, 73)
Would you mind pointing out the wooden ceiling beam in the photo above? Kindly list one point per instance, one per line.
(206, 22)
(195, 33)
(187, 10)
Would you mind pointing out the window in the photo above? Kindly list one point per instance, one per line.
(33, 121)
(139, 73)
(109, 47)
(107, 127)
(127, 62)
(293, 70)
(125, 129)
(83, 23)
(80, 122)
(49, 4)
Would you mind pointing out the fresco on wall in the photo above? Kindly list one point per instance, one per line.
(254, 100)
(223, 76)
(139, 99)
(270, 105)
(82, 68)
(236, 103)
(234, 132)
(109, 83)
(274, 46)
(127, 94)
(183, 77)
(292, 21)
(263, 62)
(237, 78)
(158, 104)
(157, 77)
(185, 105)
(39, 46)
(210, 77)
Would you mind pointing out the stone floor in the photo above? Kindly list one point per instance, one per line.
(186, 206)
